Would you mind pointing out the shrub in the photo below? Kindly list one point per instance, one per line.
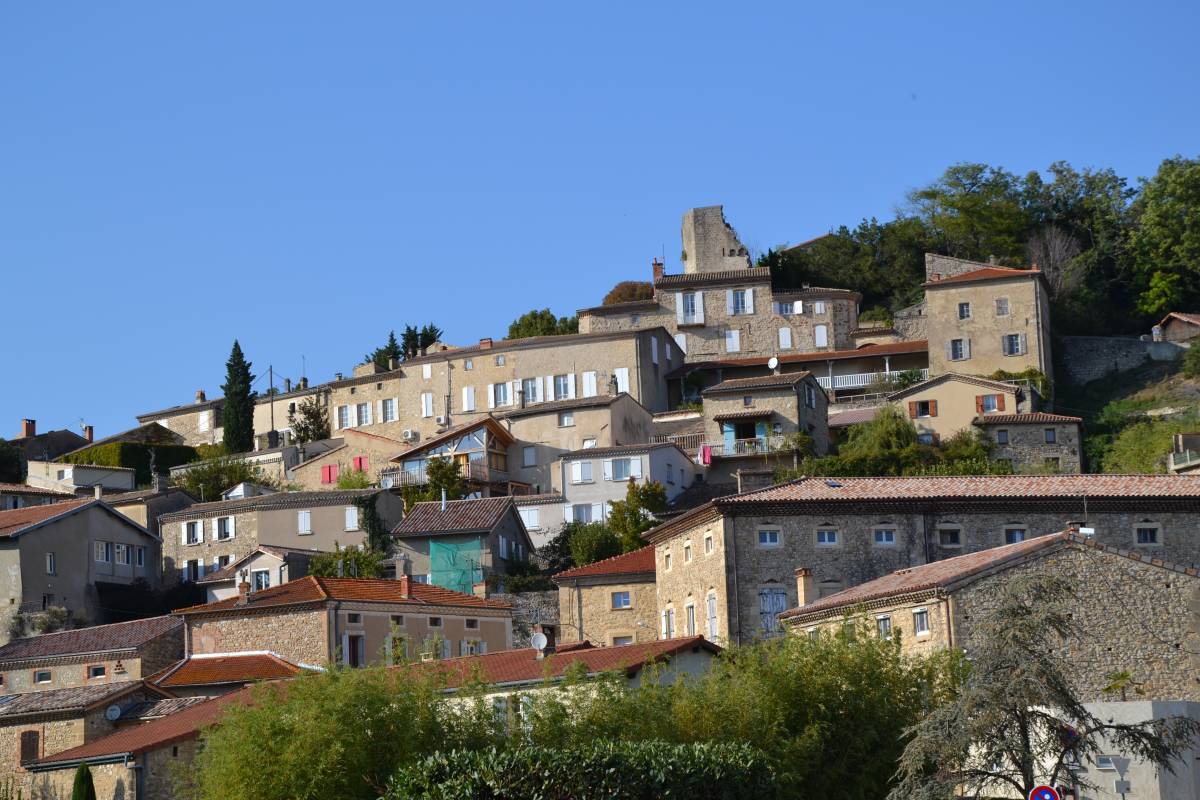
(614, 770)
(628, 291)
(1191, 362)
(136, 455)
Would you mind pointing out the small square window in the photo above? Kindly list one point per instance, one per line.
(471, 624)
(990, 403)
(398, 620)
(1050, 435)
(1001, 306)
(435, 622)
(950, 537)
(622, 600)
(924, 408)
(768, 538)
(1147, 535)
(921, 622)
(666, 562)
(884, 626)
(964, 310)
(96, 671)
(468, 364)
(708, 544)
(958, 350)
(1014, 535)
(500, 361)
(1002, 436)
(925, 438)
(354, 619)
(566, 419)
(42, 676)
(885, 537)
(1011, 344)
(687, 552)
(748, 400)
(827, 537)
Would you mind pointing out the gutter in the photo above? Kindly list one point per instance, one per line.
(114, 758)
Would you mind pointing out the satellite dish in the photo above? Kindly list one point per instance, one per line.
(112, 713)
(773, 363)
(539, 641)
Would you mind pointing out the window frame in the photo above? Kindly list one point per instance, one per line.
(829, 533)
(882, 622)
(964, 310)
(923, 614)
(1146, 525)
(882, 529)
(49, 673)
(957, 530)
(767, 543)
(622, 594)
(1002, 437)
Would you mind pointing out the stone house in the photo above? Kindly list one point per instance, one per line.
(949, 403)
(201, 422)
(356, 451)
(1179, 327)
(427, 395)
(741, 551)
(208, 537)
(721, 305)
(145, 506)
(355, 622)
(457, 544)
(64, 554)
(984, 319)
(21, 495)
(213, 674)
(592, 478)
(542, 514)
(49, 445)
(268, 565)
(1036, 441)
(77, 478)
(610, 602)
(96, 656)
(1115, 592)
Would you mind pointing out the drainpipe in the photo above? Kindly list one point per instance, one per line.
(139, 781)
(333, 637)
(948, 604)
(1037, 320)
(736, 606)
(579, 609)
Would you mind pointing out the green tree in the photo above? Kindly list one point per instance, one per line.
(1017, 719)
(1166, 240)
(630, 517)
(542, 323)
(974, 211)
(628, 291)
(309, 422)
(206, 480)
(441, 474)
(347, 562)
(82, 787)
(592, 541)
(556, 553)
(415, 341)
(10, 463)
(238, 414)
(382, 357)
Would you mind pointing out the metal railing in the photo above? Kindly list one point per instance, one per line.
(748, 447)
(397, 477)
(688, 442)
(1185, 459)
(860, 380)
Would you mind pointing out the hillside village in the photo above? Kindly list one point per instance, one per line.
(707, 440)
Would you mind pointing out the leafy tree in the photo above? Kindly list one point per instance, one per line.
(354, 479)
(541, 323)
(82, 788)
(238, 414)
(414, 340)
(208, 479)
(593, 541)
(628, 291)
(441, 474)
(382, 357)
(1016, 720)
(309, 422)
(1190, 365)
(556, 553)
(1166, 240)
(629, 517)
(347, 562)
(974, 211)
(10, 463)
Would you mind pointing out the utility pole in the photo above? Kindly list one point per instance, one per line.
(271, 392)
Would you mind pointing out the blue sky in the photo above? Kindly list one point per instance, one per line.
(306, 176)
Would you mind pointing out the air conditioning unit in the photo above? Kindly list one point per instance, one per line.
(408, 435)
(440, 420)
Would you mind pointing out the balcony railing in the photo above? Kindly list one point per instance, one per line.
(1185, 459)
(478, 473)
(688, 442)
(860, 380)
(748, 447)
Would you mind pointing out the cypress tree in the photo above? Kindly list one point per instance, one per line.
(238, 415)
(83, 788)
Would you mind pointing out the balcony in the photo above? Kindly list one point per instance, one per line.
(757, 446)
(861, 380)
(475, 473)
(688, 442)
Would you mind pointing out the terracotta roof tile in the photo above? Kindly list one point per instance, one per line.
(853, 416)
(781, 381)
(986, 274)
(270, 501)
(229, 572)
(983, 383)
(1037, 417)
(18, 519)
(637, 562)
(1193, 319)
(551, 406)
(216, 668)
(546, 498)
(619, 450)
(617, 308)
(814, 356)
(522, 666)
(732, 276)
(97, 639)
(58, 700)
(24, 488)
(459, 516)
(156, 708)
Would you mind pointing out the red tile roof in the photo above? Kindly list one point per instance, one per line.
(97, 639)
(14, 521)
(854, 416)
(638, 562)
(224, 668)
(1038, 417)
(781, 381)
(72, 698)
(732, 276)
(986, 274)
(138, 739)
(1192, 319)
(459, 516)
(24, 488)
(310, 589)
(494, 427)
(523, 666)
(814, 356)
(984, 383)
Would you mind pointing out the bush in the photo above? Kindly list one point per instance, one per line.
(614, 770)
(208, 479)
(592, 541)
(1191, 362)
(629, 291)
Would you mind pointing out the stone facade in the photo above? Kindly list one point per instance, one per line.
(693, 581)
(1036, 446)
(114, 781)
(943, 406)
(359, 451)
(300, 635)
(17, 676)
(201, 423)
(710, 244)
(1089, 358)
(1180, 328)
(586, 611)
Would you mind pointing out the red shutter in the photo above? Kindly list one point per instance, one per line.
(978, 404)
(325, 474)
(29, 746)
(333, 473)
(912, 409)
(933, 408)
(999, 402)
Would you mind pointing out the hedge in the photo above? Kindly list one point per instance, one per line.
(135, 455)
(609, 770)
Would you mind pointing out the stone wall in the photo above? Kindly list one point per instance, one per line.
(588, 607)
(709, 242)
(71, 671)
(299, 635)
(1088, 358)
(1024, 311)
(692, 581)
(1027, 448)
(529, 608)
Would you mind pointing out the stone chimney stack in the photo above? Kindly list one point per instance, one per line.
(657, 267)
(200, 396)
(806, 590)
(393, 363)
(160, 482)
(89, 433)
(28, 428)
(287, 385)
(485, 343)
(405, 587)
(243, 593)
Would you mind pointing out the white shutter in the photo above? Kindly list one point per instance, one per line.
(749, 301)
(700, 307)
(798, 307)
(622, 374)
(232, 532)
(337, 418)
(568, 514)
(608, 469)
(635, 467)
(1024, 345)
(785, 338)
(679, 308)
(571, 386)
(681, 341)
(427, 371)
(549, 381)
(966, 348)
(491, 389)
(576, 472)
(513, 388)
(821, 336)
(729, 302)
(950, 351)
(354, 415)
(395, 408)
(589, 384)
(379, 411)
(597, 512)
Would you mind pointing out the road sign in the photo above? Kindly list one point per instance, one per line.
(1044, 793)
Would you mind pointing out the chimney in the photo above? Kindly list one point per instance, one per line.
(28, 427)
(392, 363)
(98, 491)
(200, 396)
(337, 376)
(480, 590)
(287, 385)
(405, 587)
(485, 343)
(303, 382)
(548, 632)
(937, 276)
(657, 267)
(805, 590)
(160, 482)
(243, 593)
(1073, 526)
(749, 480)
(89, 433)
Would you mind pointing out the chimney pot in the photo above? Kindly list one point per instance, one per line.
(287, 385)
(656, 267)
(805, 589)
(243, 593)
(200, 396)
(89, 433)
(485, 343)
(303, 382)
(405, 587)
(28, 427)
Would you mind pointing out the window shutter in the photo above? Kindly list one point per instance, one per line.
(337, 418)
(608, 469)
(353, 413)
(729, 302)
(576, 471)
(933, 408)
(589, 384)
(700, 307)
(999, 402)
(597, 512)
(549, 381)
(966, 348)
(949, 351)
(325, 474)
(912, 409)
(232, 532)
(749, 301)
(679, 308)
(468, 398)
(1024, 345)
(622, 374)
(635, 467)
(978, 404)
(681, 341)
(395, 408)
(798, 307)
(491, 389)
(571, 386)
(785, 338)
(568, 514)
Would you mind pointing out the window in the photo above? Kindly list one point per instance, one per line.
(619, 641)
(785, 338)
(260, 579)
(711, 615)
(687, 552)
(224, 528)
(653, 349)
(329, 473)
(193, 532)
(471, 624)
(689, 615)
(530, 517)
(921, 622)
(1002, 436)
(1146, 534)
(356, 650)
(354, 619)
(387, 410)
(950, 537)
(500, 361)
(343, 416)
(827, 537)
(708, 544)
(1001, 306)
(819, 307)
(771, 601)
(362, 413)
(964, 310)
(924, 408)
(820, 335)
(191, 570)
(500, 394)
(566, 419)
(688, 314)
(884, 626)
(810, 396)
(351, 518)
(668, 623)
(303, 522)
(427, 371)
(1013, 344)
(222, 562)
(738, 300)
(885, 537)
(581, 512)
(42, 676)
(667, 561)
(620, 469)
(622, 376)
(562, 387)
(104, 552)
(202, 424)
(427, 403)
(139, 556)
(589, 443)
(1050, 435)
(122, 554)
(733, 340)
(96, 671)
(30, 746)
(989, 403)
(62, 474)
(435, 622)
(51, 564)
(581, 472)
(469, 364)
(960, 350)
(47, 602)
(1014, 535)
(531, 390)
(768, 538)
(468, 401)
(621, 600)
(529, 456)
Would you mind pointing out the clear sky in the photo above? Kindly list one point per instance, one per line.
(306, 176)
